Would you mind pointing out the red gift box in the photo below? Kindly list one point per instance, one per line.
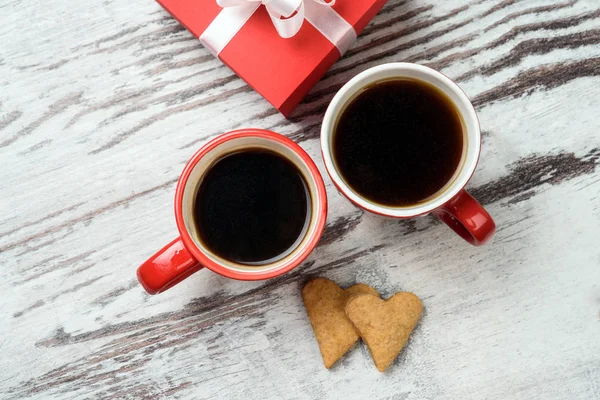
(281, 70)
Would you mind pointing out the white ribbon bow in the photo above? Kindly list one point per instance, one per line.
(287, 17)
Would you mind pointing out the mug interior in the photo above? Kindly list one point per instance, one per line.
(395, 71)
(237, 143)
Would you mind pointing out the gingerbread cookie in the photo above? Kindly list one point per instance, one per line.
(384, 325)
(325, 302)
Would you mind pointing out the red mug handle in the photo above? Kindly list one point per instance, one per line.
(468, 218)
(169, 266)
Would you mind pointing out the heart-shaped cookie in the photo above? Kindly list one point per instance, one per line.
(384, 325)
(324, 302)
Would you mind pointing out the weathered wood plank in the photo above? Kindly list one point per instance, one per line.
(101, 104)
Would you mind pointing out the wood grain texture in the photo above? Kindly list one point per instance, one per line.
(101, 105)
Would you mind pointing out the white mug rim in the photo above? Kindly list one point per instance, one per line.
(414, 71)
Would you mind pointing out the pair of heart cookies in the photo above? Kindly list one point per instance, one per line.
(339, 317)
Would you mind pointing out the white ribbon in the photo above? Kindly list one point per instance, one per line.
(287, 17)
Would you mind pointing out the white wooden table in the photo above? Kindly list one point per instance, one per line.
(102, 103)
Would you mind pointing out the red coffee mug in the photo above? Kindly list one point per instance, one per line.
(186, 254)
(452, 204)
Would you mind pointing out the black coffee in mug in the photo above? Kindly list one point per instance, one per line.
(398, 142)
(252, 207)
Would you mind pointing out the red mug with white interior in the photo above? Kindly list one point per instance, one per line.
(189, 253)
(451, 203)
